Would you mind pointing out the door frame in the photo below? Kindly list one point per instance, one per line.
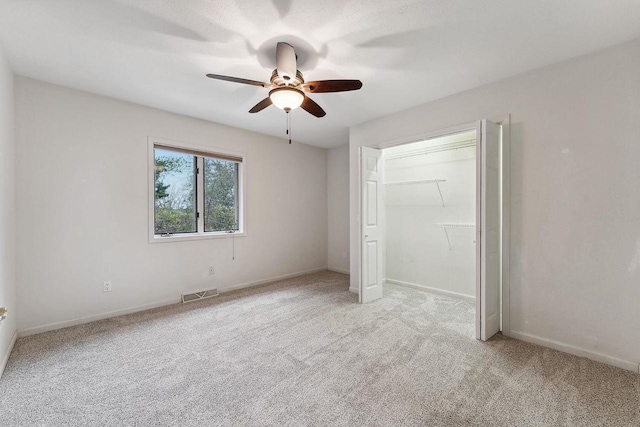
(505, 122)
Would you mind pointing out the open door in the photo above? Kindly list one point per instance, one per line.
(488, 209)
(372, 230)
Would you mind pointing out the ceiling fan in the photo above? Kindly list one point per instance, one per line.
(288, 86)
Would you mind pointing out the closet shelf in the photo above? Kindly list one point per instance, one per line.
(433, 149)
(446, 225)
(421, 181)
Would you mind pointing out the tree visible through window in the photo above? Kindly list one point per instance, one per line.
(180, 191)
(175, 203)
(220, 195)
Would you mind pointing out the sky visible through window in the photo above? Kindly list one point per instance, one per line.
(176, 179)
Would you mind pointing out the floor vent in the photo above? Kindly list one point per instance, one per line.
(197, 296)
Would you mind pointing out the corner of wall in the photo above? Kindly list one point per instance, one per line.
(7, 353)
(338, 209)
(8, 326)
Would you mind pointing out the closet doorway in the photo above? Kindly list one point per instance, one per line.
(431, 216)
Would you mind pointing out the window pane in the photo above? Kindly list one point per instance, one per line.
(220, 195)
(175, 186)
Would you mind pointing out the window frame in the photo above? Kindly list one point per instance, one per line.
(200, 234)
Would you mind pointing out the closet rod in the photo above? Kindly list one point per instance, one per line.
(453, 225)
(417, 181)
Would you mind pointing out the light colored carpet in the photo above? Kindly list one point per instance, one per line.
(303, 352)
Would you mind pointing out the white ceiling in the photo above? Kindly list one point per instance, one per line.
(406, 52)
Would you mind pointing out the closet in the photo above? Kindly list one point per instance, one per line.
(430, 214)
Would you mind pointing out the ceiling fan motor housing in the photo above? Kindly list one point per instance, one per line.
(279, 81)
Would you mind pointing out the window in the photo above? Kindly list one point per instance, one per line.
(196, 193)
(175, 209)
(220, 194)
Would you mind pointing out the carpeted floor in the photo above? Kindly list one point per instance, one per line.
(303, 352)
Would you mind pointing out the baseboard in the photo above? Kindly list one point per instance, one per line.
(577, 351)
(430, 289)
(5, 359)
(339, 270)
(354, 290)
(95, 317)
(270, 280)
(136, 309)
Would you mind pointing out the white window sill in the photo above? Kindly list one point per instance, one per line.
(194, 236)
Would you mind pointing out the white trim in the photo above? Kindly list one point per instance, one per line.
(357, 250)
(339, 270)
(135, 309)
(505, 121)
(427, 135)
(480, 152)
(5, 359)
(270, 280)
(577, 351)
(242, 198)
(196, 236)
(431, 289)
(95, 317)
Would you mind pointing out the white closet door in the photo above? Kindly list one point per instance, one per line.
(372, 227)
(489, 202)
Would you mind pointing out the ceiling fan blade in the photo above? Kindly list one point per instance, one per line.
(261, 105)
(323, 86)
(286, 61)
(310, 106)
(238, 80)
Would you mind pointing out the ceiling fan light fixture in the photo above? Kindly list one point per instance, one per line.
(286, 98)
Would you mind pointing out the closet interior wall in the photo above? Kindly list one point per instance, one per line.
(430, 209)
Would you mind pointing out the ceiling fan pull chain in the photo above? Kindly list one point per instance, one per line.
(289, 125)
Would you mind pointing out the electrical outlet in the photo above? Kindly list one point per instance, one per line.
(212, 270)
(107, 286)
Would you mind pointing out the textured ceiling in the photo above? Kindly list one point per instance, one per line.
(406, 52)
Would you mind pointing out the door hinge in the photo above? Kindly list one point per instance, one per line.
(197, 215)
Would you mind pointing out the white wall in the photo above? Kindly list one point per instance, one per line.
(338, 207)
(7, 209)
(417, 252)
(575, 245)
(82, 208)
